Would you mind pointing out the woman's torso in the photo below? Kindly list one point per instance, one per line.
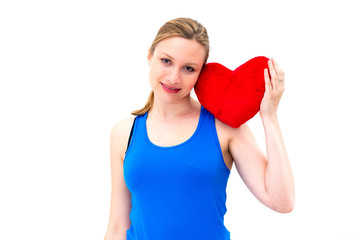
(178, 192)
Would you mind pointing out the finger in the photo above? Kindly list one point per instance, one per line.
(280, 73)
(273, 75)
(281, 77)
(268, 86)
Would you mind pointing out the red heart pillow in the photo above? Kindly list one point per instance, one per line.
(233, 97)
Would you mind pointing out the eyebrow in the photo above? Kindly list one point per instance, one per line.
(173, 58)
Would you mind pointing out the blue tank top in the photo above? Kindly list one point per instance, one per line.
(178, 192)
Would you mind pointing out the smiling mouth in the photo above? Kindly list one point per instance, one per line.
(170, 89)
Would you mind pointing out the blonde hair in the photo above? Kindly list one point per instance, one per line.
(179, 27)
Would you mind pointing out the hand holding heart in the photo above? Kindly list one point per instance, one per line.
(274, 88)
(236, 96)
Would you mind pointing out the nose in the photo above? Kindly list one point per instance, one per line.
(174, 76)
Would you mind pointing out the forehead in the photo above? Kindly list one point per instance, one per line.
(182, 49)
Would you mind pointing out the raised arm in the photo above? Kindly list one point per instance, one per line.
(268, 177)
(120, 205)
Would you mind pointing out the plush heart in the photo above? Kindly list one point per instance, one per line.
(233, 97)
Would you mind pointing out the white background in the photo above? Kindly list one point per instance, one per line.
(70, 69)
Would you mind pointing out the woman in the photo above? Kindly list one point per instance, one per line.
(171, 182)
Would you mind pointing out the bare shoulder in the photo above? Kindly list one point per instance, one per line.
(222, 126)
(120, 133)
(227, 130)
(122, 127)
(229, 133)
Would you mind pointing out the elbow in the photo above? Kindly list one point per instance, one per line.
(285, 209)
(285, 206)
(283, 203)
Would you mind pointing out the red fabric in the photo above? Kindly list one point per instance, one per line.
(233, 97)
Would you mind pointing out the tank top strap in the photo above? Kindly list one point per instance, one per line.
(207, 120)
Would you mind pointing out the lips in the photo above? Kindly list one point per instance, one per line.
(169, 89)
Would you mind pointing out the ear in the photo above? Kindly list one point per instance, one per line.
(149, 57)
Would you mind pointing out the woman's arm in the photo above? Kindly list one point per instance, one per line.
(120, 206)
(269, 177)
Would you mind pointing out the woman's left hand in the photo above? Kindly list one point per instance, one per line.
(274, 88)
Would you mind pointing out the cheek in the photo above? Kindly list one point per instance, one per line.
(189, 83)
(153, 74)
(156, 71)
(194, 79)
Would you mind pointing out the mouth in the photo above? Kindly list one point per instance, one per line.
(170, 89)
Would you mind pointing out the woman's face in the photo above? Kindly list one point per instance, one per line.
(175, 66)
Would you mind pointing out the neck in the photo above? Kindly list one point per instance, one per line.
(173, 110)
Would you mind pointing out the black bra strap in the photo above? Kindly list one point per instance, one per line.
(131, 133)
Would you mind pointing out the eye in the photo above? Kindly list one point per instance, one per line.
(189, 69)
(165, 60)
